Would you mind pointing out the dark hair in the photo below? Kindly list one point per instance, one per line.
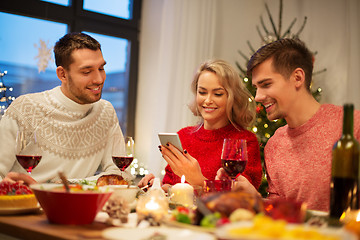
(70, 42)
(287, 54)
(240, 108)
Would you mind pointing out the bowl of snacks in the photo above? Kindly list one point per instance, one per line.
(127, 192)
(78, 206)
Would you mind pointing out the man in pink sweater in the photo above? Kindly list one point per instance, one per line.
(298, 156)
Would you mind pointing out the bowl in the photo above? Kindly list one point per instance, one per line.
(74, 208)
(129, 193)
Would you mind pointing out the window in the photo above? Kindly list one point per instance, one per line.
(20, 50)
(30, 25)
(61, 2)
(117, 8)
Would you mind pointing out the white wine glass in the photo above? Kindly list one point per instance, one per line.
(27, 150)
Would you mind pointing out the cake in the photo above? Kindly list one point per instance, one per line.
(16, 195)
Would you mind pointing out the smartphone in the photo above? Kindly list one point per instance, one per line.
(172, 138)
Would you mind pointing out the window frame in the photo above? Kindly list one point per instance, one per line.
(79, 20)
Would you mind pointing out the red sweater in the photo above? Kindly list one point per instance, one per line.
(298, 160)
(206, 146)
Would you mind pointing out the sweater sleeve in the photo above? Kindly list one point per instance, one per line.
(253, 170)
(357, 125)
(8, 129)
(170, 177)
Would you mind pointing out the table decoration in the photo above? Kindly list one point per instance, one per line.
(153, 206)
(117, 208)
(182, 193)
(352, 222)
(217, 185)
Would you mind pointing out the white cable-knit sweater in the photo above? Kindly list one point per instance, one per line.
(76, 139)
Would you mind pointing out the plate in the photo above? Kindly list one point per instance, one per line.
(118, 233)
(340, 233)
(317, 213)
(189, 226)
(13, 211)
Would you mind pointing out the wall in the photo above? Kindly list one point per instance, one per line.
(332, 30)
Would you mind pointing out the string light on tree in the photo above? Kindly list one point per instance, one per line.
(5, 97)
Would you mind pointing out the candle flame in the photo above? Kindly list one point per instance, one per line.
(182, 178)
(358, 217)
(152, 205)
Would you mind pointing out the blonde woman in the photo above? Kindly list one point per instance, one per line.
(226, 110)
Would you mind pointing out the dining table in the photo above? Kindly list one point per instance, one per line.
(36, 226)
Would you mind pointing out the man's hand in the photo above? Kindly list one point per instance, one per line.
(241, 183)
(19, 177)
(221, 174)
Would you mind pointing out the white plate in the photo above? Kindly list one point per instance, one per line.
(223, 232)
(13, 211)
(118, 233)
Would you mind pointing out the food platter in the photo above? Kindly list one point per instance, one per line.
(229, 232)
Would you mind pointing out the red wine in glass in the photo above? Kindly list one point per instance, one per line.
(122, 162)
(234, 156)
(28, 162)
(233, 167)
(27, 149)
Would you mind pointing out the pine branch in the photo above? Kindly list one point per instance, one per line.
(251, 47)
(280, 16)
(258, 30)
(272, 21)
(263, 25)
(243, 55)
(287, 32)
(242, 70)
(320, 71)
(302, 27)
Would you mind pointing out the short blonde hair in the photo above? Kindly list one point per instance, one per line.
(240, 108)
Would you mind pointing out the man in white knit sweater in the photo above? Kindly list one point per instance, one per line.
(75, 128)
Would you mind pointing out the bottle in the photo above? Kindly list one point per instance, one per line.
(344, 185)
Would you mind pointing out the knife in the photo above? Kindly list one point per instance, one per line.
(203, 209)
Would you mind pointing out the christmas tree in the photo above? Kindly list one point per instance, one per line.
(264, 128)
(5, 97)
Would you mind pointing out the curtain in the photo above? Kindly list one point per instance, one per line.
(177, 36)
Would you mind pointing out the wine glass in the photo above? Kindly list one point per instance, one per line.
(234, 156)
(27, 150)
(123, 160)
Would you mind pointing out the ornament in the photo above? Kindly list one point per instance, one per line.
(118, 208)
(153, 206)
(44, 55)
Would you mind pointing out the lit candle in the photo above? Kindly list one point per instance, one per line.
(182, 193)
(153, 204)
(353, 223)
